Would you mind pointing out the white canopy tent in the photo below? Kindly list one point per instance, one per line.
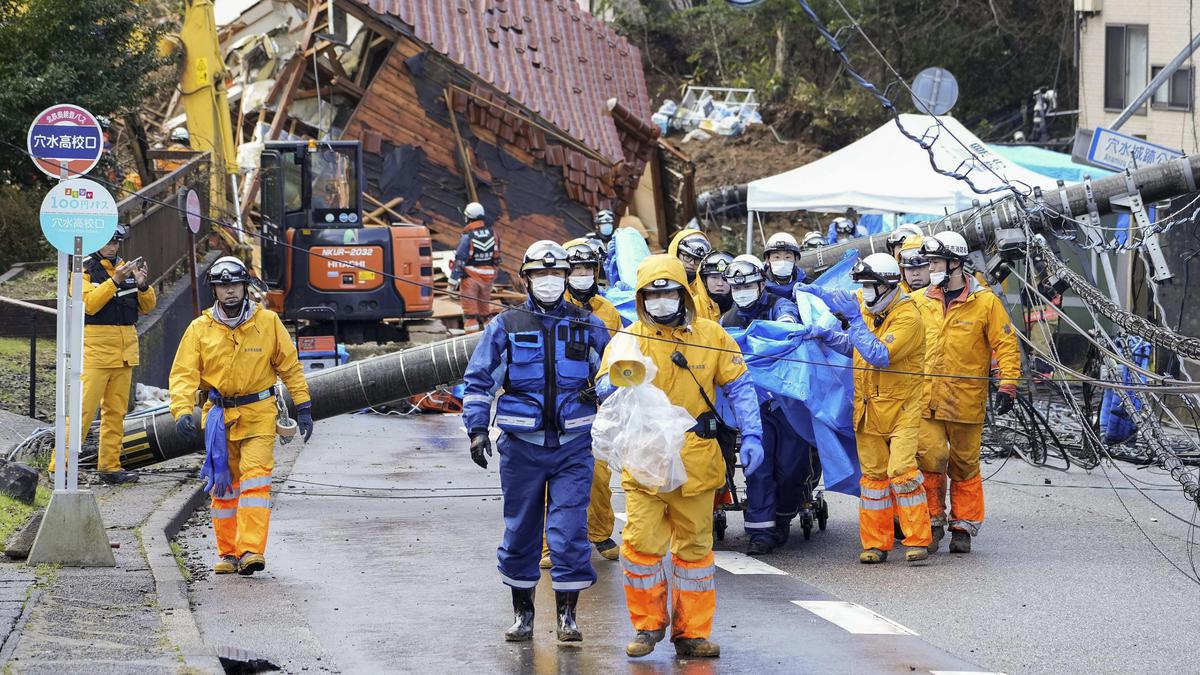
(885, 172)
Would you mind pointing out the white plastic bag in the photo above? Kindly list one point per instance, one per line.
(638, 429)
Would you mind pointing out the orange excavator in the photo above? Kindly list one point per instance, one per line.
(321, 265)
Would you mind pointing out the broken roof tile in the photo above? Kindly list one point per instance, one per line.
(547, 55)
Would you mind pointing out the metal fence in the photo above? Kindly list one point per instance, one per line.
(156, 227)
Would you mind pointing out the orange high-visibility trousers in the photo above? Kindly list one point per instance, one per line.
(684, 525)
(953, 448)
(241, 520)
(889, 471)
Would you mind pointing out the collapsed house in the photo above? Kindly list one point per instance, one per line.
(534, 108)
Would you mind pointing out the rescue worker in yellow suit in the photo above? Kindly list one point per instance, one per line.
(965, 325)
(115, 292)
(691, 247)
(693, 356)
(887, 338)
(234, 353)
(583, 291)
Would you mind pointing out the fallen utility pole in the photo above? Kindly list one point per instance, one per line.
(984, 227)
(335, 391)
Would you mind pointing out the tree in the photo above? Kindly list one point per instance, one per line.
(1000, 51)
(98, 54)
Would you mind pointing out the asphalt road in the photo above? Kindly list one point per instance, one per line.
(382, 558)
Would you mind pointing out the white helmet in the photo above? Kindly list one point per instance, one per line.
(955, 243)
(813, 240)
(897, 236)
(545, 255)
(782, 241)
(843, 225)
(876, 268)
(473, 211)
(745, 269)
(180, 135)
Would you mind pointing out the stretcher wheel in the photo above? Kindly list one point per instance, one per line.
(822, 512)
(719, 525)
(806, 524)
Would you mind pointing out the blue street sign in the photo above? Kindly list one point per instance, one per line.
(1116, 151)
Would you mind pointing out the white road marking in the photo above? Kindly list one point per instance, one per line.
(961, 672)
(740, 563)
(853, 618)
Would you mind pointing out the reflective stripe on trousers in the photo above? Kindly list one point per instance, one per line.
(645, 589)
(693, 597)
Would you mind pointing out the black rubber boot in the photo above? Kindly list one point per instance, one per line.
(761, 544)
(118, 477)
(783, 529)
(939, 533)
(522, 628)
(568, 630)
(960, 542)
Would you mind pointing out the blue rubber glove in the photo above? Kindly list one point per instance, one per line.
(185, 426)
(869, 347)
(743, 398)
(839, 301)
(304, 420)
(752, 454)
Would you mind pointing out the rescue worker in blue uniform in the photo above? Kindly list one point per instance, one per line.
(606, 226)
(548, 349)
(773, 493)
(476, 262)
(780, 271)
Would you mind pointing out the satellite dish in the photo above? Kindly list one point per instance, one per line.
(934, 91)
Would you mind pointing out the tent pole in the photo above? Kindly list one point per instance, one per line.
(749, 232)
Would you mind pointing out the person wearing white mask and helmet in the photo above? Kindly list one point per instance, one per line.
(773, 493)
(541, 356)
(781, 256)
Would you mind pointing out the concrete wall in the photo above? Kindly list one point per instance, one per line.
(1167, 22)
(160, 331)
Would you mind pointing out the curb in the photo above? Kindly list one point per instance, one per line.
(180, 625)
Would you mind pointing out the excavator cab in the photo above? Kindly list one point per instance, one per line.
(321, 264)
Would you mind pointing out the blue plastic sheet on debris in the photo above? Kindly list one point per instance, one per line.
(1115, 420)
(813, 384)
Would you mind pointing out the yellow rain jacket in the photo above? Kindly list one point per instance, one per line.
(110, 346)
(706, 308)
(884, 400)
(237, 362)
(961, 341)
(604, 310)
(701, 457)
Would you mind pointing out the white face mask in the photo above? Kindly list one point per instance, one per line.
(606, 229)
(744, 297)
(782, 268)
(548, 289)
(937, 278)
(582, 283)
(662, 308)
(869, 294)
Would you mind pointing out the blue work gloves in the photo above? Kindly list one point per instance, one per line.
(839, 301)
(304, 419)
(480, 443)
(752, 454)
(869, 347)
(185, 426)
(218, 479)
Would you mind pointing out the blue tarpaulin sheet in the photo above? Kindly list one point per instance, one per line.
(813, 384)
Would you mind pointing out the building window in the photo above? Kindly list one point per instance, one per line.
(1175, 93)
(1126, 64)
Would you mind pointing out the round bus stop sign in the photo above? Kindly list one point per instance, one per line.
(78, 208)
(65, 134)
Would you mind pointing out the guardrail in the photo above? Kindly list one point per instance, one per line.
(156, 229)
(37, 311)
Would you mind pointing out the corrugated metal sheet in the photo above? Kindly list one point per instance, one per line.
(547, 55)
